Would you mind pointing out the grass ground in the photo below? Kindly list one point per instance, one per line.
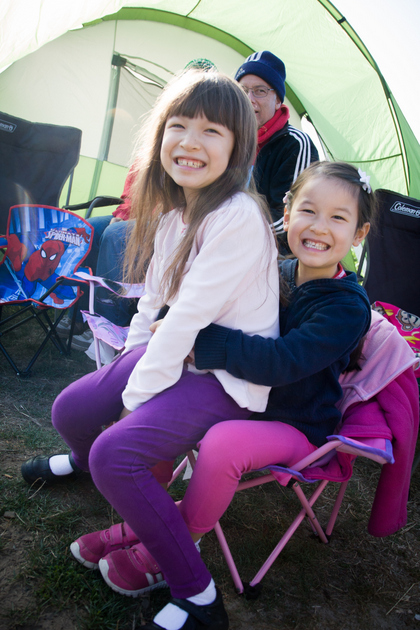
(355, 582)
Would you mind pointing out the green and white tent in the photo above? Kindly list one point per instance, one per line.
(99, 64)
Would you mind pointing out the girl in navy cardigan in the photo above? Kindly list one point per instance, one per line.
(328, 209)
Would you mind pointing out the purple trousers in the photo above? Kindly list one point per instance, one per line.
(120, 458)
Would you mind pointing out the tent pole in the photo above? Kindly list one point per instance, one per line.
(117, 63)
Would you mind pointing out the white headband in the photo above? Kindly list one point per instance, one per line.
(364, 180)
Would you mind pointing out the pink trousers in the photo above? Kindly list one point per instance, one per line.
(228, 450)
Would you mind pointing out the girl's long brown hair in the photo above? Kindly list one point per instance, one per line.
(154, 193)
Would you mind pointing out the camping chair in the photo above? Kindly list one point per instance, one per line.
(97, 202)
(45, 245)
(393, 252)
(36, 159)
(332, 462)
(381, 453)
(109, 255)
(105, 201)
(103, 330)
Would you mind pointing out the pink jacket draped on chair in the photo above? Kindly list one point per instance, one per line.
(380, 401)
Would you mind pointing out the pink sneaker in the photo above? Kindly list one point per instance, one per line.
(90, 548)
(131, 571)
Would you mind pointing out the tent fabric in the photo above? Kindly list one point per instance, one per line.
(331, 76)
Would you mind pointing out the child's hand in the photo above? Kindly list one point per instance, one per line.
(190, 358)
(153, 327)
(125, 412)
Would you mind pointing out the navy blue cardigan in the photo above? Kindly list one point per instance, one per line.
(322, 324)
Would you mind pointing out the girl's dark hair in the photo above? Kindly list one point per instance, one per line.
(366, 205)
(222, 101)
(348, 174)
(355, 356)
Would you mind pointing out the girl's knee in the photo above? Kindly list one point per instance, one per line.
(114, 463)
(112, 454)
(103, 459)
(218, 455)
(62, 410)
(216, 445)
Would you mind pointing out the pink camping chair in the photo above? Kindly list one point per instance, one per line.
(380, 452)
(380, 422)
(332, 462)
(397, 426)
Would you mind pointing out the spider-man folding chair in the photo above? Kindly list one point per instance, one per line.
(45, 246)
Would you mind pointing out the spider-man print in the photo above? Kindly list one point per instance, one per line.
(39, 268)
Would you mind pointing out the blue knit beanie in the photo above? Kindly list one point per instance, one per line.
(268, 67)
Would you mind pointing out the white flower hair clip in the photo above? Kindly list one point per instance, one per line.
(364, 180)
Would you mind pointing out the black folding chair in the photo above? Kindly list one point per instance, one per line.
(394, 253)
(36, 159)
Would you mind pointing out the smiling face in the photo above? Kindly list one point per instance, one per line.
(195, 152)
(266, 107)
(322, 227)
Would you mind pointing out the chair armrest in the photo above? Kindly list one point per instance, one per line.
(98, 202)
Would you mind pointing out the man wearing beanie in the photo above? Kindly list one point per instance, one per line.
(283, 151)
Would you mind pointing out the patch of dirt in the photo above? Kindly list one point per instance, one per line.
(354, 583)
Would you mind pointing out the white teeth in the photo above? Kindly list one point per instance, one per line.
(313, 245)
(189, 163)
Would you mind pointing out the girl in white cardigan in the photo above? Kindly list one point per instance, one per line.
(214, 260)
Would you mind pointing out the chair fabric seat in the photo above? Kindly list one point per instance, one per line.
(45, 246)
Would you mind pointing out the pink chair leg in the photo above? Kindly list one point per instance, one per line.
(336, 508)
(288, 534)
(228, 557)
(307, 505)
(178, 470)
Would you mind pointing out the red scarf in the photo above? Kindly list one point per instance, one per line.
(276, 123)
